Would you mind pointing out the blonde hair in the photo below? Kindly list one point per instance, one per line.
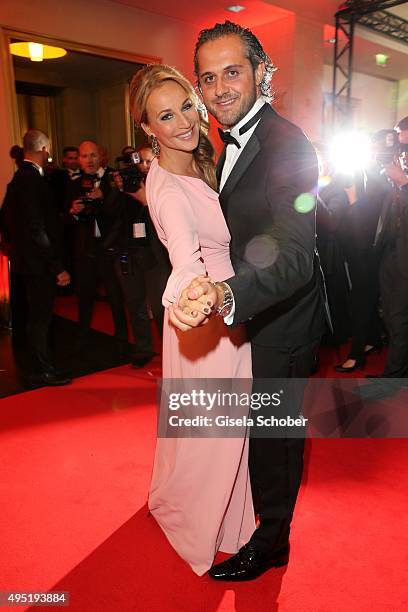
(144, 82)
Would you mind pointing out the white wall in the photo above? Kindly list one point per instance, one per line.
(402, 99)
(377, 106)
(295, 46)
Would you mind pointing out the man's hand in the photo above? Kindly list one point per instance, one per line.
(95, 194)
(118, 180)
(63, 279)
(396, 174)
(76, 207)
(139, 195)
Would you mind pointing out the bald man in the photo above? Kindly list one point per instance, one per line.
(93, 263)
(35, 235)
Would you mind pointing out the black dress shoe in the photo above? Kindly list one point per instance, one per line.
(49, 379)
(248, 563)
(358, 363)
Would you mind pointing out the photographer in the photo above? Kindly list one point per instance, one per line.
(141, 263)
(85, 206)
(146, 157)
(392, 243)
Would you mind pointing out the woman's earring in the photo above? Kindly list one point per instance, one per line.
(155, 146)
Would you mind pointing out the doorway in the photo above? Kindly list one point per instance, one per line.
(81, 96)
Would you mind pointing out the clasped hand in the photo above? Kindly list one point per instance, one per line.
(197, 303)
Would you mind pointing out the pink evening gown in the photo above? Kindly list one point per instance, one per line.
(200, 492)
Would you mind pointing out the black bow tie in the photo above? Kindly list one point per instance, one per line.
(227, 138)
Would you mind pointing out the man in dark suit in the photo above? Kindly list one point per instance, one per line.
(391, 244)
(394, 278)
(60, 181)
(268, 175)
(34, 232)
(141, 262)
(85, 207)
(61, 177)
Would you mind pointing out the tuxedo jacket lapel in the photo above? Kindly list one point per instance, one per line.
(220, 165)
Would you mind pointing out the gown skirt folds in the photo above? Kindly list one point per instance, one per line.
(200, 493)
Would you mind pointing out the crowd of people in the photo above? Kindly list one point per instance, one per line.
(96, 229)
(244, 296)
(362, 230)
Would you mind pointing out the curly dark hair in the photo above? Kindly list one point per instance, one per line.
(254, 50)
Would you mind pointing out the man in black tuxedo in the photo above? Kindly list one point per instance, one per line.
(85, 211)
(60, 181)
(268, 175)
(34, 233)
(61, 177)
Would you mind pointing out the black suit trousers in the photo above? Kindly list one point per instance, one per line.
(40, 292)
(92, 270)
(365, 320)
(134, 289)
(139, 286)
(276, 464)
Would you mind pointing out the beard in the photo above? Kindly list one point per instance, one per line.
(230, 117)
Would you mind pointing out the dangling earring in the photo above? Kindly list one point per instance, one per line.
(155, 146)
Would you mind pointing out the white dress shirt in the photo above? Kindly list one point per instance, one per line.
(233, 153)
(231, 157)
(100, 172)
(73, 174)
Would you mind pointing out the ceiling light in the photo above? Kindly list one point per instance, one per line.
(36, 51)
(381, 59)
(235, 8)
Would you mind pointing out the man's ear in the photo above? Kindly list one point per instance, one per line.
(259, 73)
(146, 129)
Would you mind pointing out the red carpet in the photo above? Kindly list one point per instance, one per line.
(75, 468)
(75, 471)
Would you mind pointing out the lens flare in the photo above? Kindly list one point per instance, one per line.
(305, 203)
(324, 181)
(262, 251)
(350, 152)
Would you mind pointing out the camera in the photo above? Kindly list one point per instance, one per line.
(386, 147)
(87, 185)
(131, 176)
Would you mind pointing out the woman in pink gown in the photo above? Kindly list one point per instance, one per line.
(200, 491)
